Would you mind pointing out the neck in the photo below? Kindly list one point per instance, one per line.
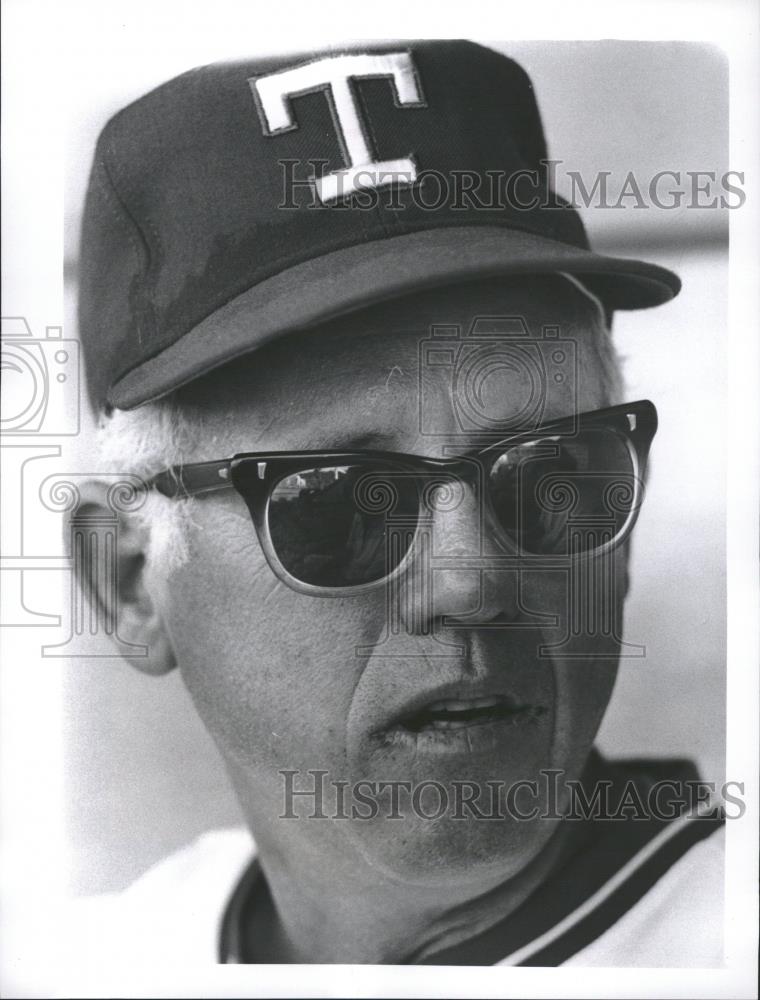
(313, 914)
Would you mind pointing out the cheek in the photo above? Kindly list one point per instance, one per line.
(271, 672)
(583, 644)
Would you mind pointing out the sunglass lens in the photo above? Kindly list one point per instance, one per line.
(565, 495)
(342, 526)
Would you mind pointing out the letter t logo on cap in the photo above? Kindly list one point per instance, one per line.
(332, 76)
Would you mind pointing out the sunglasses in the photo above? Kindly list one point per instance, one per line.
(336, 523)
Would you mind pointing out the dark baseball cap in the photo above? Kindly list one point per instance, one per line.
(242, 201)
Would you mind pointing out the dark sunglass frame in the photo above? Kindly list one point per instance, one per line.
(254, 475)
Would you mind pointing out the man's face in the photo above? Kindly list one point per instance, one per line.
(290, 682)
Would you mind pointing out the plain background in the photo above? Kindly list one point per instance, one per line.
(141, 775)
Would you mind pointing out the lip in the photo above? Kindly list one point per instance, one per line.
(512, 711)
(482, 739)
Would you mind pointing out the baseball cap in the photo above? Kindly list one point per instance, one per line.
(243, 201)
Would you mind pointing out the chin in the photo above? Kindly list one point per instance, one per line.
(479, 853)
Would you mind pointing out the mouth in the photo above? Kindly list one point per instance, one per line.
(455, 714)
(500, 711)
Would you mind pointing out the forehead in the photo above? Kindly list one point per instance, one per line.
(451, 362)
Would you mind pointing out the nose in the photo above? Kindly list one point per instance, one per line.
(452, 577)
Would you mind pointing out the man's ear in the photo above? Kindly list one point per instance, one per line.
(625, 553)
(132, 604)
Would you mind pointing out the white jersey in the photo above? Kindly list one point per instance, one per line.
(631, 893)
(173, 915)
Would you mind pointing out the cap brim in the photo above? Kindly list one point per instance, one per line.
(355, 277)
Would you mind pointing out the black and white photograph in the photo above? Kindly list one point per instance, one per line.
(380, 462)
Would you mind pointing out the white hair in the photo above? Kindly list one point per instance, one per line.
(143, 442)
(160, 434)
